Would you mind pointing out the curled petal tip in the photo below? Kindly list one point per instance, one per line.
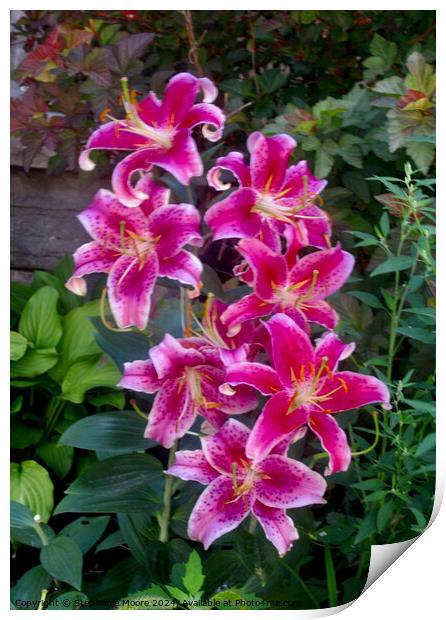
(77, 285)
(208, 89)
(225, 388)
(210, 133)
(85, 163)
(214, 180)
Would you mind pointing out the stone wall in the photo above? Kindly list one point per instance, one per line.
(44, 226)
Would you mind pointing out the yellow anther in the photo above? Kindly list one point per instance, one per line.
(103, 115)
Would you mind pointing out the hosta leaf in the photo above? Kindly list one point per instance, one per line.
(18, 345)
(40, 323)
(62, 559)
(35, 362)
(83, 376)
(32, 486)
(120, 431)
(86, 531)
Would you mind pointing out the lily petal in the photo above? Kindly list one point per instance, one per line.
(217, 511)
(170, 357)
(333, 440)
(130, 286)
(241, 400)
(249, 307)
(112, 136)
(285, 483)
(269, 159)
(333, 268)
(278, 526)
(273, 425)
(260, 376)
(350, 390)
(174, 226)
(227, 447)
(158, 195)
(139, 160)
(91, 258)
(331, 347)
(182, 160)
(299, 181)
(179, 96)
(321, 313)
(317, 223)
(269, 269)
(235, 163)
(208, 115)
(140, 376)
(232, 217)
(106, 216)
(184, 267)
(148, 109)
(172, 414)
(291, 348)
(192, 465)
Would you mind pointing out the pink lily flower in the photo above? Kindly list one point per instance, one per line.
(272, 195)
(299, 291)
(135, 246)
(306, 388)
(238, 348)
(158, 132)
(238, 485)
(186, 374)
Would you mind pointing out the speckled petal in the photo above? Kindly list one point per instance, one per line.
(285, 483)
(232, 217)
(140, 376)
(334, 441)
(269, 269)
(260, 376)
(192, 465)
(172, 413)
(217, 511)
(170, 357)
(226, 447)
(277, 525)
(130, 286)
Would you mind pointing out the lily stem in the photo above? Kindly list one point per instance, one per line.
(167, 498)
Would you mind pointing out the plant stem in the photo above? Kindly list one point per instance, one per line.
(193, 45)
(167, 498)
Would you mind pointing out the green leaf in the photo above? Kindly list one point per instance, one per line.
(30, 537)
(119, 431)
(77, 342)
(114, 540)
(29, 587)
(211, 282)
(193, 579)
(40, 323)
(86, 531)
(153, 597)
(367, 298)
(34, 363)
(427, 444)
(177, 593)
(393, 85)
(271, 80)
(387, 50)
(24, 435)
(384, 514)
(18, 346)
(418, 333)
(21, 516)
(422, 153)
(114, 399)
(368, 485)
(367, 527)
(85, 375)
(32, 486)
(120, 347)
(58, 458)
(324, 162)
(394, 263)
(62, 559)
(118, 484)
(421, 406)
(350, 151)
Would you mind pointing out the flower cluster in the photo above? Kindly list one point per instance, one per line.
(261, 343)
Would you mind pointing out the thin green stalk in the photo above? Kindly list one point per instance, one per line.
(167, 498)
(43, 596)
(40, 532)
(303, 585)
(331, 577)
